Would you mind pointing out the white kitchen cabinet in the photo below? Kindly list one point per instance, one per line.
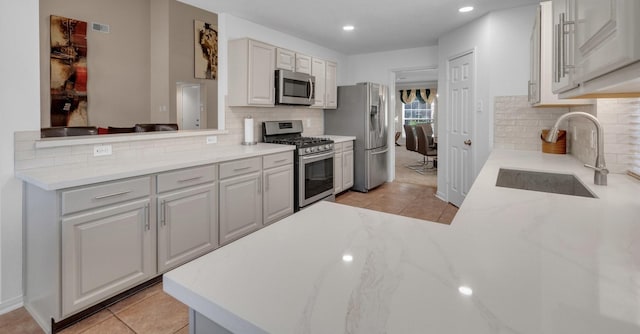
(104, 252)
(187, 215)
(278, 186)
(331, 85)
(285, 59)
(541, 62)
(347, 165)
(318, 71)
(251, 73)
(597, 48)
(337, 168)
(303, 63)
(343, 167)
(240, 198)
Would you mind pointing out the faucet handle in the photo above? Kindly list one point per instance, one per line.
(602, 170)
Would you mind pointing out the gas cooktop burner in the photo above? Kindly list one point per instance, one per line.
(290, 133)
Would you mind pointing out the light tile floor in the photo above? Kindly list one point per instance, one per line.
(154, 312)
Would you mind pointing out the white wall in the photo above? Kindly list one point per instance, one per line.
(376, 67)
(20, 93)
(501, 44)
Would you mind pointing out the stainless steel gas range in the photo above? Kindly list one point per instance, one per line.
(313, 161)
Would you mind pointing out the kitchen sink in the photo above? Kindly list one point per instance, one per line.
(556, 183)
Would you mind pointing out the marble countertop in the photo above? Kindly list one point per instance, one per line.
(53, 178)
(535, 263)
(339, 139)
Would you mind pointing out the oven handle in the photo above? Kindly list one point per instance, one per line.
(318, 157)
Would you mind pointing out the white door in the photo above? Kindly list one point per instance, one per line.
(191, 107)
(460, 82)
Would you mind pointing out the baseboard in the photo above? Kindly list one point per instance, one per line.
(11, 304)
(441, 196)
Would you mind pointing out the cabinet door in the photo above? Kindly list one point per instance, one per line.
(337, 173)
(278, 193)
(240, 206)
(534, 67)
(331, 86)
(303, 63)
(261, 73)
(285, 59)
(187, 225)
(318, 71)
(347, 169)
(563, 46)
(105, 252)
(607, 36)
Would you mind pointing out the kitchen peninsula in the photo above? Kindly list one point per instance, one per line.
(513, 261)
(97, 230)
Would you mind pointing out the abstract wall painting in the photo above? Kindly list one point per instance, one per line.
(68, 72)
(206, 50)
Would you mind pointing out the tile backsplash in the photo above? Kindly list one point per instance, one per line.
(27, 156)
(517, 125)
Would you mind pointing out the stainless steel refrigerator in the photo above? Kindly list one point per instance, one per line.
(362, 112)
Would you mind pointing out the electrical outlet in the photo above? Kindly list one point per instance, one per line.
(100, 150)
(212, 139)
(308, 122)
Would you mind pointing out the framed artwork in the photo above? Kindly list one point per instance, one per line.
(206, 50)
(68, 59)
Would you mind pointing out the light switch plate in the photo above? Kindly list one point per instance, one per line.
(212, 139)
(100, 150)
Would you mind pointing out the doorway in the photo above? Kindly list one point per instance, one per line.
(415, 106)
(190, 106)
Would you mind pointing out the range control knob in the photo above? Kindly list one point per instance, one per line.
(307, 150)
(328, 146)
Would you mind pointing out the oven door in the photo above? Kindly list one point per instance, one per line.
(316, 177)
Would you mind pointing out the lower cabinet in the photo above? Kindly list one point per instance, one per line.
(343, 167)
(278, 193)
(240, 198)
(105, 251)
(187, 225)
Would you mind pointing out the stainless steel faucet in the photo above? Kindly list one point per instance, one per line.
(601, 171)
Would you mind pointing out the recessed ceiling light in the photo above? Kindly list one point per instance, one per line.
(465, 290)
(347, 258)
(465, 9)
(348, 28)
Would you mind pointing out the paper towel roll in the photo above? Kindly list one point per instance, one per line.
(248, 130)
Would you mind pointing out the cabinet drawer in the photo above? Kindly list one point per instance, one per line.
(348, 145)
(239, 167)
(104, 194)
(279, 159)
(186, 177)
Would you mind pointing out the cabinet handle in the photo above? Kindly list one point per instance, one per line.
(147, 225)
(564, 67)
(279, 161)
(259, 185)
(266, 187)
(556, 53)
(241, 169)
(112, 195)
(191, 179)
(163, 213)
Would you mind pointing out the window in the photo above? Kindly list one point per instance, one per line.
(417, 112)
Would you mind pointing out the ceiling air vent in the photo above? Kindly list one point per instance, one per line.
(99, 27)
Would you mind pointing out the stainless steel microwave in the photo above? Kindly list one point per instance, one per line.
(295, 88)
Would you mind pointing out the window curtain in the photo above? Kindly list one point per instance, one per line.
(407, 96)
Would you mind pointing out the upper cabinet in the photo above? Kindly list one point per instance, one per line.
(285, 59)
(252, 66)
(596, 48)
(542, 66)
(303, 63)
(331, 86)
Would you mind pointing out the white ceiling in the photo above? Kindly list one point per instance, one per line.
(379, 25)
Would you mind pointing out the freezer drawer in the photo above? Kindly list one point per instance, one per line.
(376, 167)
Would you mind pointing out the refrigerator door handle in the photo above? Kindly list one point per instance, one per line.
(380, 118)
(381, 152)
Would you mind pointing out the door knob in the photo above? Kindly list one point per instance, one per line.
(467, 142)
